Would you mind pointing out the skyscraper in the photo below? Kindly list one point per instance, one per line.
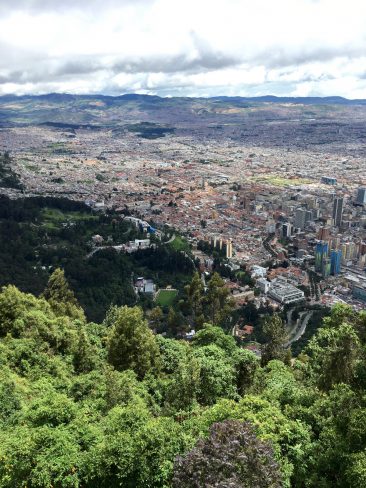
(300, 218)
(286, 230)
(361, 196)
(323, 233)
(229, 249)
(337, 211)
(335, 261)
(321, 254)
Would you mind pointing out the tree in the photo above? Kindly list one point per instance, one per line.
(61, 297)
(195, 296)
(334, 355)
(217, 300)
(232, 457)
(275, 338)
(214, 335)
(131, 343)
(84, 355)
(155, 317)
(217, 375)
(246, 364)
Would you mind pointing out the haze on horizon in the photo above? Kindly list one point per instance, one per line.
(190, 48)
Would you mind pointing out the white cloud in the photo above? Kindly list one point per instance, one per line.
(171, 47)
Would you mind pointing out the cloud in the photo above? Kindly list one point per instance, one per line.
(170, 47)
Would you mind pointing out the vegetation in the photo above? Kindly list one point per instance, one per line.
(39, 234)
(8, 177)
(165, 298)
(110, 405)
(149, 130)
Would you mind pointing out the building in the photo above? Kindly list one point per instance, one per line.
(335, 261)
(328, 180)
(286, 230)
(263, 284)
(361, 196)
(258, 271)
(300, 218)
(144, 286)
(359, 292)
(321, 254)
(285, 293)
(229, 249)
(323, 234)
(337, 211)
(326, 267)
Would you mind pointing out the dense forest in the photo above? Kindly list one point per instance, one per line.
(39, 234)
(114, 405)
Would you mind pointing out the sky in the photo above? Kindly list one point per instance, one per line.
(184, 47)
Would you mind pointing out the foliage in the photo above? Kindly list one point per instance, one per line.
(131, 344)
(232, 456)
(111, 404)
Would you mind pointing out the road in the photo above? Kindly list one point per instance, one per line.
(300, 327)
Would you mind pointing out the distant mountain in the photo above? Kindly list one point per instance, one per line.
(136, 97)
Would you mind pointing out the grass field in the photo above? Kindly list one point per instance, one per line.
(179, 244)
(165, 298)
(279, 181)
(53, 218)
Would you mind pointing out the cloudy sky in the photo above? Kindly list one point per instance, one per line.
(184, 47)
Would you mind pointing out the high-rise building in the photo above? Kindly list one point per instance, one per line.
(326, 267)
(361, 196)
(286, 230)
(323, 233)
(335, 261)
(300, 218)
(321, 254)
(229, 249)
(337, 211)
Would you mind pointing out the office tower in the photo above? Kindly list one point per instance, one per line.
(229, 249)
(326, 267)
(323, 233)
(286, 230)
(300, 218)
(361, 196)
(335, 261)
(321, 254)
(337, 211)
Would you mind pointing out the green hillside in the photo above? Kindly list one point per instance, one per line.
(110, 405)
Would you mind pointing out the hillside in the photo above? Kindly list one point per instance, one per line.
(114, 405)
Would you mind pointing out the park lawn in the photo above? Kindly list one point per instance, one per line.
(179, 244)
(279, 181)
(54, 217)
(165, 298)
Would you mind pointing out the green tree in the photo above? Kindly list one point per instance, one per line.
(195, 295)
(217, 375)
(246, 364)
(219, 305)
(334, 355)
(214, 335)
(61, 297)
(275, 336)
(155, 317)
(131, 343)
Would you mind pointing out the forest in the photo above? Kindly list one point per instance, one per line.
(41, 233)
(115, 405)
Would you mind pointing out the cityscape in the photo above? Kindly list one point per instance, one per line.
(182, 244)
(264, 206)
